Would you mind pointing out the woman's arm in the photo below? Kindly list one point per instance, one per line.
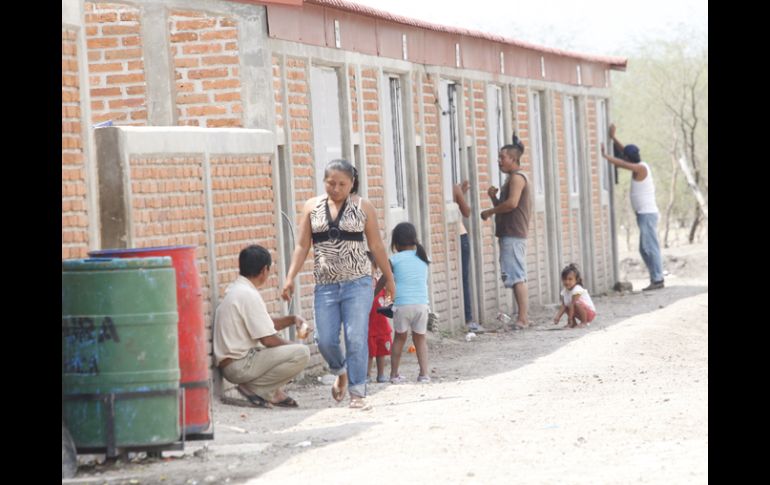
(372, 231)
(301, 248)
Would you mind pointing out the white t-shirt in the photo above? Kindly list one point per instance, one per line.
(566, 296)
(643, 194)
(240, 321)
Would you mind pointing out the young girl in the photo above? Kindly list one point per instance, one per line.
(410, 310)
(576, 301)
(380, 332)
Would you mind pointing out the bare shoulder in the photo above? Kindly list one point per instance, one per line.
(361, 202)
(312, 202)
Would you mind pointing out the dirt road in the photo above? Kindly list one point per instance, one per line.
(622, 401)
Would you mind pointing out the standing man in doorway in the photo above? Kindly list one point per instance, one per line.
(644, 205)
(459, 191)
(512, 212)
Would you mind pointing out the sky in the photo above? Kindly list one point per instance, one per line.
(602, 27)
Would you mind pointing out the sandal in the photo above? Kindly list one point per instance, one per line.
(257, 401)
(286, 403)
(359, 403)
(338, 392)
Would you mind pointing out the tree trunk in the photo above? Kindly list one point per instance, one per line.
(695, 223)
(671, 198)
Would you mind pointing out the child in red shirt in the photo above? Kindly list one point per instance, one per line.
(380, 331)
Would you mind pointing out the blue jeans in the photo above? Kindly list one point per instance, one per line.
(649, 246)
(465, 253)
(348, 303)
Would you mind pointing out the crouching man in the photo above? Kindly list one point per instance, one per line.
(247, 348)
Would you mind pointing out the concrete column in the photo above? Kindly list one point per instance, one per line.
(158, 66)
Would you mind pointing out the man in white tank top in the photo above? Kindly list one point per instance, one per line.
(643, 203)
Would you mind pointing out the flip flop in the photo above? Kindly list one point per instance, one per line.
(286, 403)
(257, 401)
(359, 403)
(338, 393)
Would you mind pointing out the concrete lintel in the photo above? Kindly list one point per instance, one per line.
(185, 139)
(72, 13)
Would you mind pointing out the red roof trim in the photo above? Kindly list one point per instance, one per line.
(618, 63)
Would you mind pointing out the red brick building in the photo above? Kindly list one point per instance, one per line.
(416, 106)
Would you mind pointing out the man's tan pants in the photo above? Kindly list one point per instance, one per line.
(265, 370)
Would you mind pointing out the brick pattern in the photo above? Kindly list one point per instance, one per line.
(602, 241)
(434, 167)
(115, 64)
(242, 196)
(74, 217)
(536, 242)
(488, 255)
(561, 169)
(353, 98)
(206, 69)
(278, 91)
(168, 209)
(375, 170)
(300, 136)
(416, 103)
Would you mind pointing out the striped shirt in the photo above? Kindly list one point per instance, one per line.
(339, 260)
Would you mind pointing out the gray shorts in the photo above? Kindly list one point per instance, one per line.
(410, 316)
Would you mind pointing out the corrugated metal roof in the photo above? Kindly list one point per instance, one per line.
(618, 63)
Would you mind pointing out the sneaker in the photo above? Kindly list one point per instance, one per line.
(423, 378)
(382, 379)
(656, 285)
(475, 328)
(399, 379)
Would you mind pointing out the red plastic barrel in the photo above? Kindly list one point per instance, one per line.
(193, 361)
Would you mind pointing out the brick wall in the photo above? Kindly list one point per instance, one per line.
(115, 65)
(300, 137)
(436, 215)
(242, 196)
(168, 209)
(536, 242)
(489, 272)
(375, 171)
(206, 60)
(353, 98)
(602, 235)
(74, 218)
(278, 91)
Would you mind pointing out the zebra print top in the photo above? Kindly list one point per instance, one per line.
(339, 260)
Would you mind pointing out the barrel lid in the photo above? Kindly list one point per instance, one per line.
(107, 264)
(101, 253)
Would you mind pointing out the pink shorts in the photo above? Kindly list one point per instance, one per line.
(590, 314)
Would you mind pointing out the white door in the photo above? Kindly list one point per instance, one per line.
(327, 132)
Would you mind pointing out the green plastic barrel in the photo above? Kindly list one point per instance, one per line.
(120, 368)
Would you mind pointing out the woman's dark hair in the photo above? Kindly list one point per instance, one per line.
(572, 268)
(341, 165)
(404, 235)
(252, 259)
